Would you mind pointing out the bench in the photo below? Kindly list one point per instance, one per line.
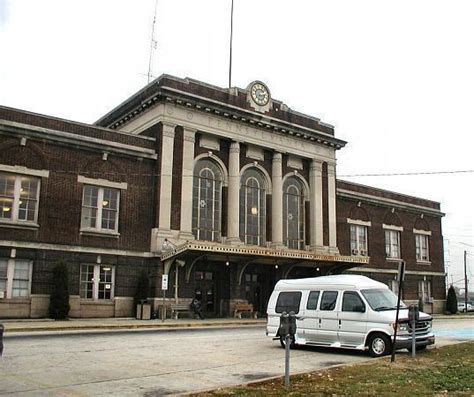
(244, 308)
(177, 308)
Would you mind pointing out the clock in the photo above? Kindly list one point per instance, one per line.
(259, 94)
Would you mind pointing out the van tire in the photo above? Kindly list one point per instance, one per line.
(379, 345)
(292, 344)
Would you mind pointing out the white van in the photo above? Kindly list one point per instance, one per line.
(345, 311)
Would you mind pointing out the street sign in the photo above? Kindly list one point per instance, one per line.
(164, 282)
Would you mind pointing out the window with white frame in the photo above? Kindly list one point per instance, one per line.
(293, 213)
(252, 207)
(15, 278)
(100, 208)
(392, 244)
(393, 285)
(359, 240)
(97, 282)
(207, 200)
(424, 290)
(19, 197)
(422, 250)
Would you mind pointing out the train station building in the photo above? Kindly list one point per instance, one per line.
(226, 191)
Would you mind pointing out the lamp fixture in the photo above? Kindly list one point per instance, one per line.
(254, 210)
(105, 203)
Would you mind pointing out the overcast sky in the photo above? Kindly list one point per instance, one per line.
(396, 78)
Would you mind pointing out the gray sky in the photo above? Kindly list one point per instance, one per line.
(394, 77)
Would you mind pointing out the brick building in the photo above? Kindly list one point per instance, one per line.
(224, 190)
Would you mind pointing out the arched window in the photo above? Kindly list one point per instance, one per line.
(207, 200)
(252, 207)
(293, 213)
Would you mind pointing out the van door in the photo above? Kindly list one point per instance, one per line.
(311, 317)
(328, 320)
(352, 319)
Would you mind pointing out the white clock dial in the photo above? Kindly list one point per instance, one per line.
(259, 94)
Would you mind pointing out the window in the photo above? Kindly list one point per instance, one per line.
(422, 251)
(252, 207)
(351, 302)
(313, 300)
(293, 213)
(288, 302)
(359, 240)
(393, 285)
(328, 300)
(100, 209)
(19, 198)
(207, 201)
(15, 278)
(97, 282)
(424, 290)
(392, 244)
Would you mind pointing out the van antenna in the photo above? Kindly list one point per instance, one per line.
(153, 44)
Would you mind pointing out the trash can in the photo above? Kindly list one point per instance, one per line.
(143, 311)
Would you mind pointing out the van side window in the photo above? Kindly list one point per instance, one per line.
(288, 301)
(312, 300)
(351, 302)
(328, 301)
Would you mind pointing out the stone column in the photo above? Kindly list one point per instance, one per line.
(277, 201)
(316, 204)
(187, 184)
(233, 196)
(167, 145)
(332, 206)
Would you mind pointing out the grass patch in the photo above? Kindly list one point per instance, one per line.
(445, 371)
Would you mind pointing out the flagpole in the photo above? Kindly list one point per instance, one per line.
(231, 31)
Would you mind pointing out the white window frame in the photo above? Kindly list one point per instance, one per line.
(96, 282)
(16, 199)
(358, 249)
(396, 231)
(8, 292)
(419, 248)
(98, 222)
(424, 290)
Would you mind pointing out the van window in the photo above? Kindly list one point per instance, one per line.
(288, 301)
(328, 301)
(312, 300)
(351, 302)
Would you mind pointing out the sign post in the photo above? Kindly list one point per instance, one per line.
(164, 287)
(401, 278)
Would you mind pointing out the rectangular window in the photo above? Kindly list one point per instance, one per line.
(100, 209)
(422, 251)
(351, 302)
(15, 278)
(328, 300)
(313, 300)
(18, 198)
(393, 285)
(359, 240)
(97, 282)
(392, 244)
(288, 302)
(424, 290)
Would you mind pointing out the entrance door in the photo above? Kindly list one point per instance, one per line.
(206, 292)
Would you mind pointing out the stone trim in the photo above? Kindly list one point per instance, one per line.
(17, 169)
(392, 227)
(358, 222)
(102, 182)
(395, 271)
(423, 232)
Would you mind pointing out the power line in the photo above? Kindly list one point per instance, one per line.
(410, 173)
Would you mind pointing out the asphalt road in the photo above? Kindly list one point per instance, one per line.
(163, 363)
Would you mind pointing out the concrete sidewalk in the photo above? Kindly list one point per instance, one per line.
(28, 326)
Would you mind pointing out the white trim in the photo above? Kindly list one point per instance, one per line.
(11, 262)
(392, 227)
(266, 177)
(102, 182)
(17, 169)
(221, 165)
(71, 248)
(394, 271)
(358, 222)
(423, 232)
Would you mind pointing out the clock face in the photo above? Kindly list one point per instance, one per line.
(259, 94)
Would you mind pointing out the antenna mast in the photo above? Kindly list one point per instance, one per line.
(153, 44)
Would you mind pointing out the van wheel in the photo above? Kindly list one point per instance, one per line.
(379, 345)
(292, 342)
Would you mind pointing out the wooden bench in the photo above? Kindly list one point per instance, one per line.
(177, 308)
(244, 308)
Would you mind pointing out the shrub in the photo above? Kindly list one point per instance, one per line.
(59, 299)
(452, 301)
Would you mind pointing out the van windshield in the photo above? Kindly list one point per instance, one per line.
(382, 299)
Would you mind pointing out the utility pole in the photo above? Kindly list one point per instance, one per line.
(230, 46)
(465, 280)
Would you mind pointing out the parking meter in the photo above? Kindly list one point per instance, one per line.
(413, 313)
(292, 323)
(284, 328)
